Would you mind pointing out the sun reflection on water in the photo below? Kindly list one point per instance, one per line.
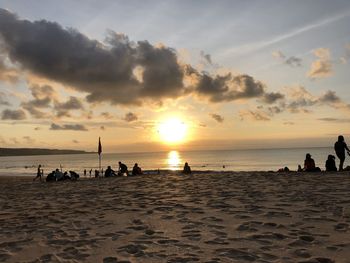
(174, 160)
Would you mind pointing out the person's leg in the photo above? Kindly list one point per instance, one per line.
(342, 159)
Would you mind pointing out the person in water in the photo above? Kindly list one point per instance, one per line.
(123, 169)
(309, 164)
(187, 169)
(136, 170)
(330, 164)
(340, 147)
(38, 173)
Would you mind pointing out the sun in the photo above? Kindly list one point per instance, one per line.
(172, 131)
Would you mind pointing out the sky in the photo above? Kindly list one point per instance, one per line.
(234, 74)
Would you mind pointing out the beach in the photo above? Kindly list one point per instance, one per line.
(203, 217)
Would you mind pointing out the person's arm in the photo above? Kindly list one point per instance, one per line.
(346, 147)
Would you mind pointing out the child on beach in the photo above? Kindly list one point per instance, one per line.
(38, 173)
(330, 164)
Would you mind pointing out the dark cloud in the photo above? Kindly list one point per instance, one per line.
(256, 115)
(330, 97)
(3, 99)
(329, 119)
(13, 115)
(130, 117)
(73, 127)
(272, 97)
(104, 71)
(63, 108)
(228, 87)
(291, 61)
(217, 117)
(206, 57)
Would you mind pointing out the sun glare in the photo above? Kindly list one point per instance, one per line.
(172, 131)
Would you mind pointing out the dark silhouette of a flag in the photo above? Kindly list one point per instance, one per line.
(99, 146)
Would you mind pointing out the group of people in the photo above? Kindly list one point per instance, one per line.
(340, 148)
(123, 170)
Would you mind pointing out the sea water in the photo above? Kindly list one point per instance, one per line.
(220, 160)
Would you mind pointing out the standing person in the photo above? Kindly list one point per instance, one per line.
(123, 169)
(340, 147)
(84, 172)
(38, 173)
(90, 172)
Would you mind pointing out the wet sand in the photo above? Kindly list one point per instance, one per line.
(205, 217)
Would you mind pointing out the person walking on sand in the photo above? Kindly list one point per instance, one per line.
(340, 147)
(39, 173)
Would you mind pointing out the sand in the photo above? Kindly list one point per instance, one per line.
(205, 217)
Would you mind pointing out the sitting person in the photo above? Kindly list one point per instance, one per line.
(285, 169)
(330, 164)
(136, 170)
(51, 177)
(73, 175)
(309, 164)
(109, 172)
(123, 169)
(187, 169)
(59, 175)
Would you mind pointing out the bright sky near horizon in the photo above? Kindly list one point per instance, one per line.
(156, 75)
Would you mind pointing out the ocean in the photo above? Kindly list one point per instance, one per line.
(220, 160)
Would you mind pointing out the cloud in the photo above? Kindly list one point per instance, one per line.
(107, 115)
(227, 87)
(291, 61)
(117, 70)
(103, 70)
(206, 58)
(28, 139)
(73, 127)
(337, 120)
(3, 99)
(7, 74)
(63, 108)
(256, 115)
(217, 117)
(272, 97)
(294, 61)
(75, 141)
(43, 95)
(130, 117)
(322, 66)
(13, 115)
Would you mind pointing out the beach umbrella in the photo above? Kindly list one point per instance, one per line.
(99, 150)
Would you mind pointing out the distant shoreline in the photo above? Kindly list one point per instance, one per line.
(5, 152)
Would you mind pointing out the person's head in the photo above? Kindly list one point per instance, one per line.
(308, 156)
(331, 157)
(186, 164)
(57, 170)
(109, 167)
(120, 162)
(39, 165)
(340, 138)
(135, 164)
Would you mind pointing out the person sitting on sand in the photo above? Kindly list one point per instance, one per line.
(123, 169)
(340, 147)
(309, 164)
(187, 169)
(51, 177)
(109, 172)
(136, 170)
(330, 164)
(74, 175)
(38, 173)
(59, 175)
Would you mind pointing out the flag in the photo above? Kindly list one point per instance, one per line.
(99, 146)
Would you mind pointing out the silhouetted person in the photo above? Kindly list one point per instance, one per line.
(97, 173)
(84, 172)
(59, 175)
(340, 147)
(38, 173)
(330, 164)
(187, 169)
(309, 164)
(90, 172)
(109, 172)
(136, 170)
(123, 169)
